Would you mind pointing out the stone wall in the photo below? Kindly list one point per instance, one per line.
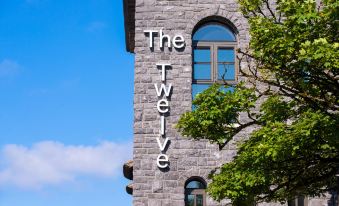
(187, 158)
(152, 186)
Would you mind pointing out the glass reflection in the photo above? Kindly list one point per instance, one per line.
(202, 55)
(213, 32)
(202, 71)
(190, 200)
(199, 200)
(226, 72)
(225, 55)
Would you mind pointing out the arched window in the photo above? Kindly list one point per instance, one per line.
(195, 194)
(214, 46)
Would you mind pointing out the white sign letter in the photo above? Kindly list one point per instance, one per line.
(163, 89)
(162, 161)
(150, 32)
(162, 37)
(163, 70)
(162, 103)
(162, 147)
(178, 41)
(162, 125)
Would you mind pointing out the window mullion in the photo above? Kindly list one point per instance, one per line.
(215, 61)
(236, 64)
(211, 63)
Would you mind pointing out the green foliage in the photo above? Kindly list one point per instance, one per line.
(276, 110)
(282, 161)
(295, 148)
(215, 117)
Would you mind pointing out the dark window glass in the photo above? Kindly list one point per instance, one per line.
(199, 200)
(190, 200)
(298, 201)
(291, 203)
(195, 185)
(301, 201)
(195, 193)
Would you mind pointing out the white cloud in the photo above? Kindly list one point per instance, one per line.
(8, 68)
(96, 26)
(53, 163)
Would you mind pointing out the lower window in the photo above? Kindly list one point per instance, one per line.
(299, 201)
(195, 194)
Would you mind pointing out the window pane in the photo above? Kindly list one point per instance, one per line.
(213, 32)
(202, 55)
(190, 200)
(301, 200)
(195, 185)
(226, 72)
(198, 88)
(202, 71)
(200, 200)
(225, 55)
(291, 203)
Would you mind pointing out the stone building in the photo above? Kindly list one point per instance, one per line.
(180, 47)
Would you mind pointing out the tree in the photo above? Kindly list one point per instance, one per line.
(293, 70)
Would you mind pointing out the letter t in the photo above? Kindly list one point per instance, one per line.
(163, 70)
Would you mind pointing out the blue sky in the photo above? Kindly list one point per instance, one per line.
(66, 103)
